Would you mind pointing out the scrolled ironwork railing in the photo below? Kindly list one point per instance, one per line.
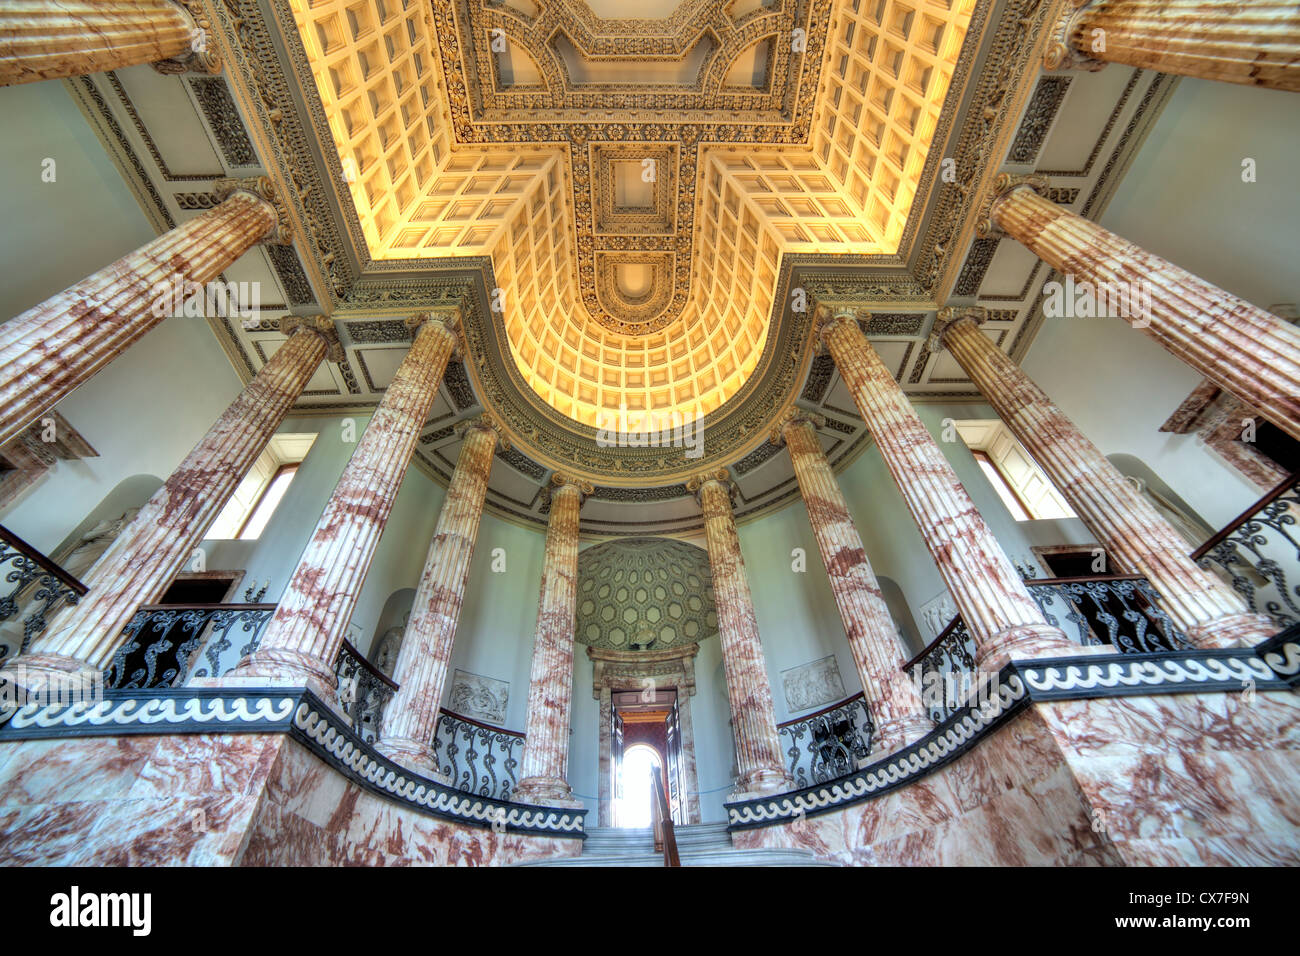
(1258, 552)
(944, 672)
(477, 758)
(34, 587)
(829, 743)
(163, 642)
(1121, 610)
(364, 691)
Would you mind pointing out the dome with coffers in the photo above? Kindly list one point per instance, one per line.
(643, 594)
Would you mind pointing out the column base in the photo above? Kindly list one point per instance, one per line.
(274, 666)
(545, 791)
(1024, 641)
(51, 676)
(414, 756)
(894, 735)
(762, 782)
(1236, 630)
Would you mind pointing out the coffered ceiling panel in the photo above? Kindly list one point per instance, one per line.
(590, 280)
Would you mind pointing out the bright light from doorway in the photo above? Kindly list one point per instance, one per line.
(634, 807)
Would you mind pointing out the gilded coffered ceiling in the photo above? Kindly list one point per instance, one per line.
(635, 182)
(579, 280)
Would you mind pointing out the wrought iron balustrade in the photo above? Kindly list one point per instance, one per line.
(1259, 553)
(829, 743)
(945, 671)
(34, 588)
(1121, 610)
(162, 641)
(364, 691)
(477, 758)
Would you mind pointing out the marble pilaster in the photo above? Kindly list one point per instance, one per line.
(759, 764)
(1256, 43)
(1124, 521)
(162, 537)
(543, 767)
(1246, 351)
(53, 347)
(996, 607)
(893, 699)
(303, 638)
(411, 717)
(44, 39)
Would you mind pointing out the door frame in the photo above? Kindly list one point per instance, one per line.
(623, 671)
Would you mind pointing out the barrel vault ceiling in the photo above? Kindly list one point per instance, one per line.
(633, 206)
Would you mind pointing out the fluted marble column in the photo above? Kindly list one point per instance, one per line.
(998, 611)
(47, 39)
(52, 348)
(759, 764)
(1246, 351)
(160, 539)
(411, 717)
(543, 767)
(1255, 43)
(893, 699)
(303, 638)
(1203, 607)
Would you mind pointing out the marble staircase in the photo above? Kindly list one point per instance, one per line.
(702, 844)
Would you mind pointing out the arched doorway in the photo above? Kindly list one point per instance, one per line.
(632, 806)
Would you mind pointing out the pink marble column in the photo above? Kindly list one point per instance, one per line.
(759, 764)
(1255, 43)
(411, 717)
(998, 611)
(1203, 607)
(543, 768)
(1246, 351)
(52, 348)
(47, 39)
(894, 700)
(156, 545)
(303, 638)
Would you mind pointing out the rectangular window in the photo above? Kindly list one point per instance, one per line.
(246, 514)
(266, 504)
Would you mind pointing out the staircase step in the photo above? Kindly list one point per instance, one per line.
(698, 844)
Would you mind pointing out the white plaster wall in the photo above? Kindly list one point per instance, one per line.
(1184, 199)
(146, 410)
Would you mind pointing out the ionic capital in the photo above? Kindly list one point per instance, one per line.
(794, 416)
(1061, 54)
(321, 326)
(560, 481)
(485, 422)
(720, 475)
(950, 315)
(826, 317)
(263, 189)
(203, 57)
(985, 227)
(450, 322)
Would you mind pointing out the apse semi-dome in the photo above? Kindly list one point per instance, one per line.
(644, 594)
